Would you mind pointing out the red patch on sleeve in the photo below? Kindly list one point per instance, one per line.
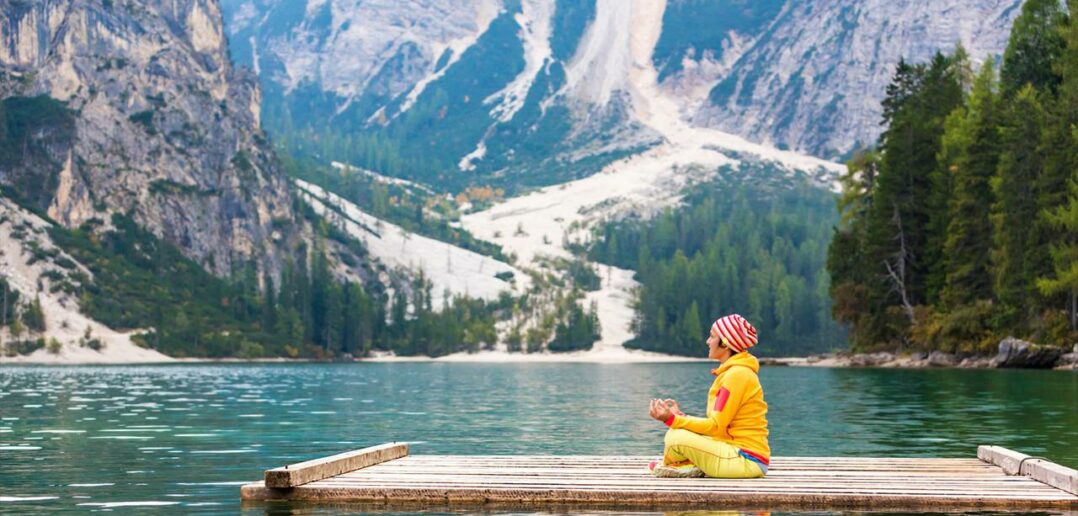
(720, 399)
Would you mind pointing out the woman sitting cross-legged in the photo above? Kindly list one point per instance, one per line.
(731, 440)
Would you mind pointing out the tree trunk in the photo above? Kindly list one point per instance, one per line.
(897, 273)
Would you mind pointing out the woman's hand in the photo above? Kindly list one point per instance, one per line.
(672, 405)
(660, 411)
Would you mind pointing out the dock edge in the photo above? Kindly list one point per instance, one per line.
(1037, 468)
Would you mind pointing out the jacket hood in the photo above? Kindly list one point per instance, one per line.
(743, 359)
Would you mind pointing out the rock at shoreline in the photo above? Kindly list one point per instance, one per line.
(975, 362)
(871, 359)
(941, 359)
(1068, 360)
(1016, 353)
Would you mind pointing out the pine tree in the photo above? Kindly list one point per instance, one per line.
(1060, 156)
(969, 231)
(896, 242)
(954, 144)
(1034, 45)
(845, 255)
(1020, 162)
(692, 332)
(1064, 279)
(269, 304)
(34, 317)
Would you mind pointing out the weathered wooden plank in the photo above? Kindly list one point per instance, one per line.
(929, 460)
(1014, 463)
(542, 496)
(673, 489)
(710, 483)
(793, 482)
(802, 483)
(772, 472)
(777, 475)
(304, 472)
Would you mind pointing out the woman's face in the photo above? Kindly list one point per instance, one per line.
(715, 349)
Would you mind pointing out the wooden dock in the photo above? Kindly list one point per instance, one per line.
(386, 476)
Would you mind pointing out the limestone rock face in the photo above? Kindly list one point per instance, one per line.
(812, 78)
(1021, 354)
(164, 128)
(807, 75)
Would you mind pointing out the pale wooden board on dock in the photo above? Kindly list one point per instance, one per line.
(1043, 470)
(793, 482)
(302, 473)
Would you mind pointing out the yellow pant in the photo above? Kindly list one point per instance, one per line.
(717, 459)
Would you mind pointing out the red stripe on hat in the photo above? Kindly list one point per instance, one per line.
(723, 332)
(749, 331)
(732, 334)
(745, 333)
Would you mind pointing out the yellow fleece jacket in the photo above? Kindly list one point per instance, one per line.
(736, 410)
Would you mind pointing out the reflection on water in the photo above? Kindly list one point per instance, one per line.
(185, 437)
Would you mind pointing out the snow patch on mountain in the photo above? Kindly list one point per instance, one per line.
(624, 35)
(602, 62)
(467, 163)
(448, 267)
(534, 20)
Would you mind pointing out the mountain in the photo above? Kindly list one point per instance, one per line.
(140, 201)
(534, 92)
(153, 120)
(810, 75)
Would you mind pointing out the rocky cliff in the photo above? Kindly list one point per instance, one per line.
(161, 125)
(812, 76)
(526, 88)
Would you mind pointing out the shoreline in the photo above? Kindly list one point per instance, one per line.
(880, 360)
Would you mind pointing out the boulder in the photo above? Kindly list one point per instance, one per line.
(871, 359)
(1069, 360)
(973, 362)
(1018, 353)
(941, 359)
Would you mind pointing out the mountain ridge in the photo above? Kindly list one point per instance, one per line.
(550, 79)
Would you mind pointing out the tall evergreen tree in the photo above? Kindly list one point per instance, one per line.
(897, 247)
(1020, 162)
(1064, 279)
(1033, 48)
(34, 316)
(1060, 153)
(846, 254)
(969, 232)
(269, 304)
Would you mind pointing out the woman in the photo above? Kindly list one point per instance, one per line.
(731, 441)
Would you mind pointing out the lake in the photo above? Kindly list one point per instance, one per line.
(185, 437)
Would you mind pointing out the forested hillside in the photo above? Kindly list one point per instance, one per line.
(961, 226)
(751, 243)
(142, 283)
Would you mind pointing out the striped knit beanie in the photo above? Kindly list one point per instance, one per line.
(739, 333)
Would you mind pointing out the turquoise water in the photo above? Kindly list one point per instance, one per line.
(185, 437)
